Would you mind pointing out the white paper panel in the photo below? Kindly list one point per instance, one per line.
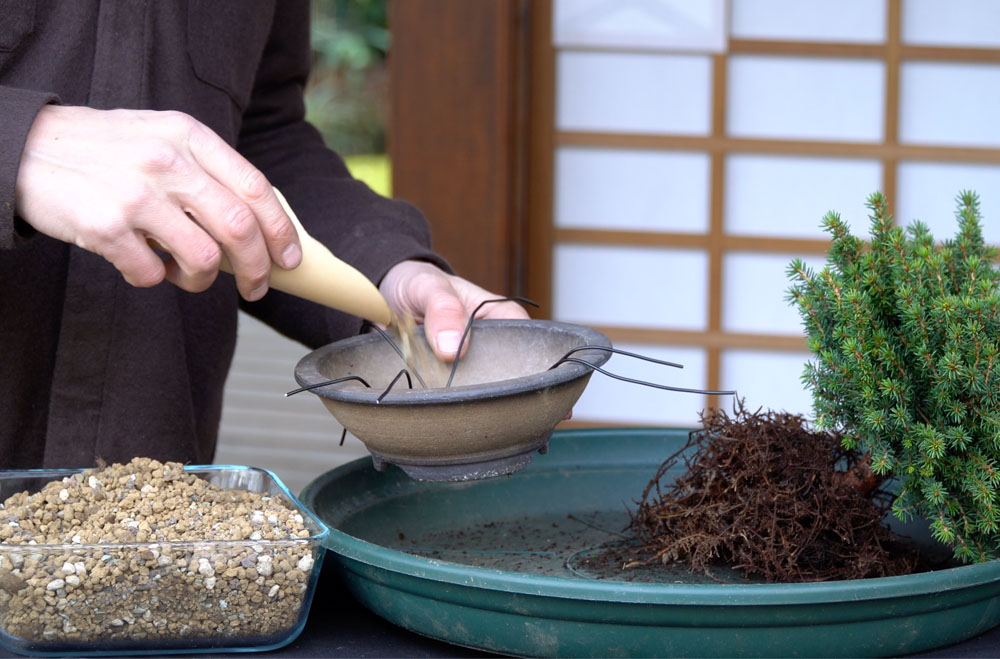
(754, 289)
(953, 23)
(630, 286)
(927, 192)
(640, 24)
(768, 379)
(788, 196)
(949, 103)
(806, 98)
(858, 21)
(636, 190)
(612, 401)
(633, 93)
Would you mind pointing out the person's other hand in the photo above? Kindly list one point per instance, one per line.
(108, 181)
(442, 302)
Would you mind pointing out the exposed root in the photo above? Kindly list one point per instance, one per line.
(769, 497)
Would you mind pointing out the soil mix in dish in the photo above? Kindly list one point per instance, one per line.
(147, 551)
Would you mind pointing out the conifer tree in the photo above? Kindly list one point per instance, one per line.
(905, 336)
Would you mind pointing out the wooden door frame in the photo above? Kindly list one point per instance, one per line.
(457, 130)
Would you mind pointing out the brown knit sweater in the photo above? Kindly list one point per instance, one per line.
(92, 367)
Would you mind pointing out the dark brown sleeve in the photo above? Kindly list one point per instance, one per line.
(18, 108)
(362, 228)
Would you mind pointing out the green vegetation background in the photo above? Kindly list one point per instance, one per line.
(347, 97)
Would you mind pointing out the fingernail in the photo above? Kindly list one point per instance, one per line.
(258, 293)
(448, 341)
(291, 257)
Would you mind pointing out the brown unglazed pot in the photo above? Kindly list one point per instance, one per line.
(503, 404)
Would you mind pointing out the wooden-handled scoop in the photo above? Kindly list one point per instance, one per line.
(322, 278)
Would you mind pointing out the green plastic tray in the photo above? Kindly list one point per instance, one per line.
(499, 565)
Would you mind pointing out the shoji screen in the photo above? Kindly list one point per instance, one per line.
(695, 147)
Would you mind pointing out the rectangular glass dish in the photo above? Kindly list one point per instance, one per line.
(159, 597)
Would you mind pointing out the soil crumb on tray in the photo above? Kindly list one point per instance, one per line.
(147, 551)
(767, 496)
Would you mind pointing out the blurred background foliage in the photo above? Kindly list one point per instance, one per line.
(347, 97)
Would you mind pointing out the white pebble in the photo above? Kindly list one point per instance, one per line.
(258, 516)
(305, 563)
(255, 535)
(55, 584)
(205, 568)
(117, 622)
(272, 519)
(81, 569)
(63, 494)
(69, 568)
(93, 482)
(14, 525)
(77, 539)
(223, 604)
(264, 565)
(298, 518)
(73, 580)
(210, 583)
(273, 591)
(146, 489)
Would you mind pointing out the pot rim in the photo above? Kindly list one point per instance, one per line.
(307, 370)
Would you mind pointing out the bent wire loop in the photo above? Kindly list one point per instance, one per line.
(393, 384)
(468, 328)
(327, 382)
(576, 360)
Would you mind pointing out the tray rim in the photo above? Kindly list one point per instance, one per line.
(716, 595)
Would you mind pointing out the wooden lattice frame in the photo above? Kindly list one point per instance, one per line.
(716, 243)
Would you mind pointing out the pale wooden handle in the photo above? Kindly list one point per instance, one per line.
(321, 277)
(326, 280)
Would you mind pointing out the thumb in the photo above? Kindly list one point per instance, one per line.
(423, 290)
(445, 318)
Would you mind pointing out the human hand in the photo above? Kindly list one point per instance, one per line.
(442, 302)
(110, 180)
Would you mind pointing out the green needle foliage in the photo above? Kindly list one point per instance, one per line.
(904, 333)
